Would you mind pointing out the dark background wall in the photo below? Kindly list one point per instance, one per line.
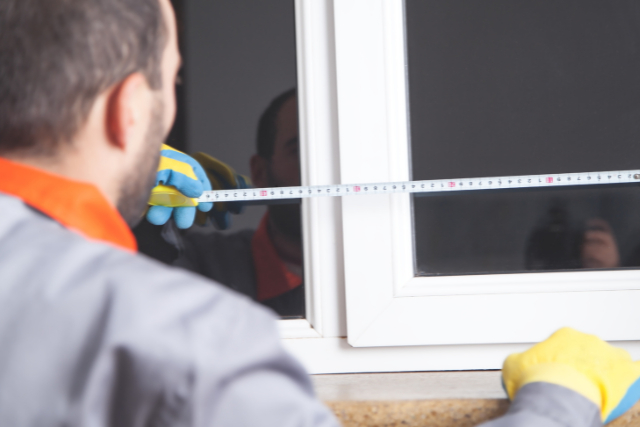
(238, 55)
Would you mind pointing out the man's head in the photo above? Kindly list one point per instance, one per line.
(277, 143)
(86, 90)
(277, 163)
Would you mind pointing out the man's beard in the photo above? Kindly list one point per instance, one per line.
(136, 186)
(286, 218)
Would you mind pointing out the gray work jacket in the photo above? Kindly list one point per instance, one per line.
(93, 336)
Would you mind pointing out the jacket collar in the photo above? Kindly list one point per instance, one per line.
(78, 206)
(272, 276)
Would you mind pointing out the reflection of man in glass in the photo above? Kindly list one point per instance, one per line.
(599, 248)
(558, 244)
(265, 264)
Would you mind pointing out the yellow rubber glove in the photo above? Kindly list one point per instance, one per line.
(584, 363)
(179, 181)
(222, 177)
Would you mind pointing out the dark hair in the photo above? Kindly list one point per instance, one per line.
(267, 126)
(57, 56)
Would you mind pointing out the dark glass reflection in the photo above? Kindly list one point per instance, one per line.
(515, 87)
(238, 103)
(527, 230)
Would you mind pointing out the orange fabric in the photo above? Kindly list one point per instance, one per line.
(78, 206)
(272, 277)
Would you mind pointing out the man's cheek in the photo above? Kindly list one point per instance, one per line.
(291, 173)
(169, 110)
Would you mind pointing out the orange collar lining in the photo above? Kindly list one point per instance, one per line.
(78, 206)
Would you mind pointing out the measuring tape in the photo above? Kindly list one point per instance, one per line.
(429, 186)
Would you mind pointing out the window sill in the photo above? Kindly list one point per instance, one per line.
(439, 399)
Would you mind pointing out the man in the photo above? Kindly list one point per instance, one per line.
(265, 264)
(93, 334)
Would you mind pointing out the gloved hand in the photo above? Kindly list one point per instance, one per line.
(584, 363)
(222, 177)
(184, 174)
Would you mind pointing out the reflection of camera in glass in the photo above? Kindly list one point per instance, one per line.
(555, 244)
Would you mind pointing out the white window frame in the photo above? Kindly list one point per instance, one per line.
(366, 312)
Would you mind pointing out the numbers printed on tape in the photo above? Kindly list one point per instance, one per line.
(430, 186)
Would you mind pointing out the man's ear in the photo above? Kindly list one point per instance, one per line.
(259, 168)
(127, 111)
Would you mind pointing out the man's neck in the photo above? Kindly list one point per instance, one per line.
(289, 249)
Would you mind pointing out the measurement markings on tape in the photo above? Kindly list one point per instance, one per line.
(429, 186)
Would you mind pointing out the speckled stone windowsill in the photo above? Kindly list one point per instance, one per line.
(435, 399)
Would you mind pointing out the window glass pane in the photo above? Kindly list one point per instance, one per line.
(504, 87)
(238, 103)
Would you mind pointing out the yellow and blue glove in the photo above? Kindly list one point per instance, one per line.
(178, 176)
(222, 177)
(584, 363)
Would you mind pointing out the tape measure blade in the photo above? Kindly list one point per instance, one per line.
(425, 187)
